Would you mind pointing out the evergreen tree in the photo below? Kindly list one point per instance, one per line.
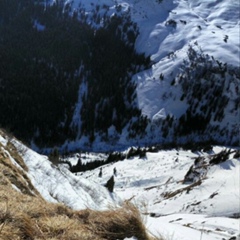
(110, 184)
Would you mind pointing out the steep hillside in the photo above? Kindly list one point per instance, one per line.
(53, 183)
(56, 56)
(105, 75)
(194, 82)
(181, 194)
(25, 213)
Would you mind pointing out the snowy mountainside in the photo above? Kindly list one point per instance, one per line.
(182, 195)
(168, 30)
(202, 22)
(104, 75)
(57, 184)
(185, 195)
(41, 201)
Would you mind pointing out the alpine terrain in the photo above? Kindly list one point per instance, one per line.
(99, 75)
(120, 119)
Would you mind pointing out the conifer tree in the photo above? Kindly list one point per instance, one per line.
(110, 184)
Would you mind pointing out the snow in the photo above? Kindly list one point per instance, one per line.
(200, 23)
(76, 120)
(39, 26)
(57, 184)
(195, 13)
(3, 140)
(204, 212)
(190, 226)
(159, 41)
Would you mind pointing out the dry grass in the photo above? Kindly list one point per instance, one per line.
(27, 217)
(15, 155)
(15, 174)
(115, 223)
(24, 214)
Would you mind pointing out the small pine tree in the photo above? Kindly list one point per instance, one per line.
(161, 77)
(110, 184)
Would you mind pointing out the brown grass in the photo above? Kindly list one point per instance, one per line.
(24, 214)
(27, 217)
(116, 223)
(15, 174)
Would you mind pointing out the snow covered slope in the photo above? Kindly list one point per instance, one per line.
(207, 23)
(183, 195)
(132, 72)
(180, 203)
(57, 184)
(167, 30)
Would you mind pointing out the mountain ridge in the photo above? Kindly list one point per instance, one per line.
(95, 103)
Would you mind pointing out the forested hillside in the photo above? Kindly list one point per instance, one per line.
(107, 75)
(47, 53)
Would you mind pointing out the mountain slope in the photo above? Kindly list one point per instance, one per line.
(54, 183)
(182, 194)
(185, 195)
(30, 196)
(168, 39)
(174, 34)
(105, 75)
(170, 32)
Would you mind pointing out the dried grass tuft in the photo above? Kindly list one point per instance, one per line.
(118, 223)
